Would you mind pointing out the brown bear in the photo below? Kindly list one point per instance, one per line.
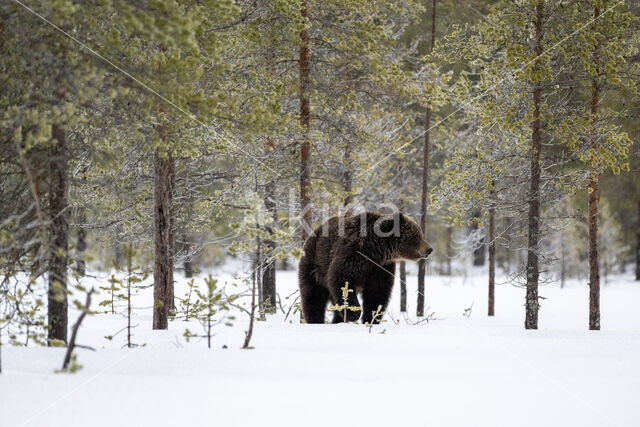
(361, 250)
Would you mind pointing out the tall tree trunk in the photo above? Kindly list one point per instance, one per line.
(531, 303)
(403, 275)
(449, 253)
(479, 245)
(422, 264)
(163, 267)
(258, 267)
(594, 173)
(172, 232)
(188, 258)
(403, 286)
(58, 259)
(118, 253)
(638, 244)
(269, 269)
(563, 260)
(347, 178)
(492, 256)
(508, 245)
(81, 245)
(187, 239)
(305, 121)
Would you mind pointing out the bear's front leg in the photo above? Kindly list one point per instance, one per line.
(377, 292)
(339, 276)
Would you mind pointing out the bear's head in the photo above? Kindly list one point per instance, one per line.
(405, 236)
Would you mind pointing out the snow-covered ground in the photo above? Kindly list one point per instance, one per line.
(452, 371)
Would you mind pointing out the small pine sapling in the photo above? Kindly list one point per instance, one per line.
(124, 289)
(135, 276)
(113, 290)
(467, 311)
(186, 304)
(210, 308)
(376, 317)
(27, 316)
(345, 307)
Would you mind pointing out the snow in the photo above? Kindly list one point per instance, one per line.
(451, 371)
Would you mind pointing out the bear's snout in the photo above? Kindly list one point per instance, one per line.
(425, 249)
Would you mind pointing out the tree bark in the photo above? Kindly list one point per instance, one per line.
(448, 271)
(172, 232)
(252, 312)
(269, 269)
(492, 257)
(403, 274)
(74, 333)
(563, 260)
(163, 267)
(347, 178)
(638, 245)
(188, 259)
(422, 264)
(531, 303)
(81, 245)
(58, 260)
(187, 240)
(478, 252)
(594, 173)
(305, 122)
(403, 287)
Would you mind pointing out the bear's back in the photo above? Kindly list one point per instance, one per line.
(337, 231)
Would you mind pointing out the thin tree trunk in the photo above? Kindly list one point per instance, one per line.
(59, 212)
(449, 250)
(269, 277)
(172, 232)
(118, 253)
(187, 263)
(594, 172)
(258, 266)
(508, 247)
(403, 274)
(305, 122)
(422, 264)
(162, 273)
(81, 245)
(492, 256)
(403, 286)
(188, 259)
(347, 178)
(532, 304)
(563, 260)
(638, 244)
(478, 252)
(74, 333)
(269, 269)
(252, 312)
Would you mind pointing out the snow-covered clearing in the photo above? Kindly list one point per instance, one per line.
(453, 371)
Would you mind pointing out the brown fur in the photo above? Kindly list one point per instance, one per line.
(360, 256)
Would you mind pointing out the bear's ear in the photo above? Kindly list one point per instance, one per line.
(402, 218)
(388, 225)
